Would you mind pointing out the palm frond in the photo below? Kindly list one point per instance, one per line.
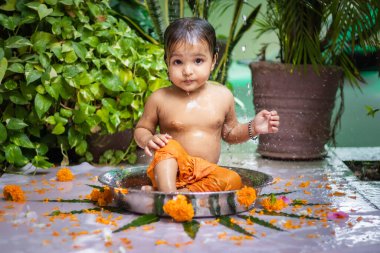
(174, 10)
(156, 14)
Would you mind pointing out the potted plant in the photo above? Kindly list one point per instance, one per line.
(316, 39)
(70, 70)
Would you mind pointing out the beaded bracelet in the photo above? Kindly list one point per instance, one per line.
(250, 131)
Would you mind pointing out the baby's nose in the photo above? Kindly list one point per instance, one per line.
(187, 70)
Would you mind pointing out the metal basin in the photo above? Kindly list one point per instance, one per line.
(205, 204)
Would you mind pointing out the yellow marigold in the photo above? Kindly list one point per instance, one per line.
(179, 209)
(246, 196)
(102, 197)
(13, 193)
(64, 174)
(273, 204)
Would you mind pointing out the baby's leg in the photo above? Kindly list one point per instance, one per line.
(165, 173)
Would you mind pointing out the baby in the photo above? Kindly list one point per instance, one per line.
(193, 115)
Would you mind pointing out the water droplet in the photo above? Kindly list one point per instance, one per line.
(244, 17)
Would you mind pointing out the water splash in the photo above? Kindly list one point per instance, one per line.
(191, 105)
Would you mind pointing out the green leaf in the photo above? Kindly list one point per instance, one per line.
(41, 40)
(21, 140)
(80, 50)
(3, 67)
(41, 162)
(31, 74)
(260, 222)
(42, 104)
(100, 188)
(10, 84)
(112, 82)
(44, 11)
(58, 129)
(140, 221)
(191, 228)
(3, 133)
(15, 124)
(16, 68)
(126, 98)
(10, 5)
(14, 155)
(70, 57)
(81, 148)
(17, 42)
(287, 215)
(18, 99)
(58, 212)
(226, 221)
(276, 194)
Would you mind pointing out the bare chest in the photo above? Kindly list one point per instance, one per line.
(191, 115)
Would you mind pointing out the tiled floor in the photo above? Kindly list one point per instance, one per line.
(26, 228)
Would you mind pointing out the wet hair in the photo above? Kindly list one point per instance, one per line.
(189, 30)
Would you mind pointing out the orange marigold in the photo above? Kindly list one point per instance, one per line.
(246, 196)
(102, 197)
(13, 193)
(179, 209)
(64, 174)
(273, 204)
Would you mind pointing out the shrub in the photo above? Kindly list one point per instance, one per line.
(70, 69)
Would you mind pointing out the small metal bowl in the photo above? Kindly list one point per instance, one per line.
(205, 204)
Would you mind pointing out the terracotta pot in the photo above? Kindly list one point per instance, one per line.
(98, 144)
(304, 101)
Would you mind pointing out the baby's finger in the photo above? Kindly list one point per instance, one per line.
(274, 129)
(273, 113)
(274, 123)
(274, 118)
(153, 145)
(147, 151)
(159, 141)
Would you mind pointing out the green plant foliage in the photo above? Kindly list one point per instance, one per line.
(323, 32)
(191, 228)
(139, 221)
(70, 69)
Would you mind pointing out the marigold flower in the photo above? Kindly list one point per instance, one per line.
(273, 204)
(179, 209)
(246, 196)
(64, 175)
(13, 193)
(102, 197)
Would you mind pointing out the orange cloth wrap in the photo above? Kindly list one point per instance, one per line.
(195, 173)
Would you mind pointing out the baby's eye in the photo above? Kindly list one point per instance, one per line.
(198, 61)
(177, 62)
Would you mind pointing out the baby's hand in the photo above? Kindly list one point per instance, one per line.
(156, 142)
(266, 122)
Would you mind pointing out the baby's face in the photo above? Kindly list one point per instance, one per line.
(190, 65)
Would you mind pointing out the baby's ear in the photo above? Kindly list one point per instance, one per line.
(215, 58)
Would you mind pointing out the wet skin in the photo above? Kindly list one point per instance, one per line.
(193, 111)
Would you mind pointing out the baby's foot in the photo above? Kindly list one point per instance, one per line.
(183, 190)
(147, 188)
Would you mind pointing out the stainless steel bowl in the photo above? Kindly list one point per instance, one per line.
(205, 204)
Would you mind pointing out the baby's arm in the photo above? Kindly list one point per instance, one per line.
(235, 132)
(145, 131)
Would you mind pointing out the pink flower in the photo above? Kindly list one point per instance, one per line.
(337, 215)
(285, 199)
